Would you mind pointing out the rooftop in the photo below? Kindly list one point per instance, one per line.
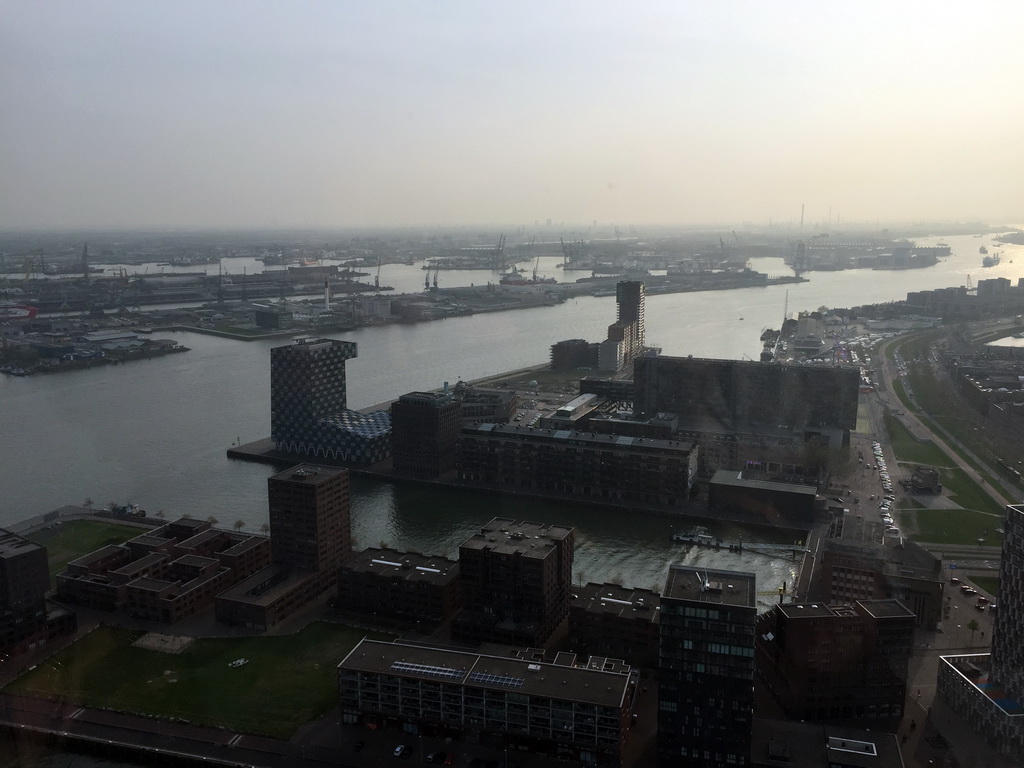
(409, 566)
(734, 478)
(308, 474)
(614, 599)
(706, 585)
(593, 686)
(578, 437)
(12, 544)
(507, 536)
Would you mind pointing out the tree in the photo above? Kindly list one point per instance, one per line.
(974, 627)
(87, 502)
(265, 528)
(212, 520)
(239, 524)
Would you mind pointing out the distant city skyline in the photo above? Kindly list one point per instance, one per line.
(231, 115)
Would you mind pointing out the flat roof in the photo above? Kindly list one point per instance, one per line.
(805, 610)
(308, 474)
(195, 561)
(507, 536)
(12, 544)
(735, 478)
(886, 609)
(577, 437)
(533, 678)
(737, 588)
(102, 553)
(617, 600)
(147, 560)
(409, 566)
(266, 585)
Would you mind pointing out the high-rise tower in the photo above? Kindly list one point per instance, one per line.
(516, 582)
(307, 383)
(310, 520)
(706, 668)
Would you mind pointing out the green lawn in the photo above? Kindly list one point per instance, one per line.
(951, 526)
(967, 493)
(74, 538)
(988, 583)
(289, 680)
(910, 450)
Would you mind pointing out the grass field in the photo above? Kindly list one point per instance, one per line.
(910, 450)
(968, 494)
(988, 583)
(952, 526)
(74, 538)
(289, 680)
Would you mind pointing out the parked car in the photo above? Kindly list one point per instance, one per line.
(400, 750)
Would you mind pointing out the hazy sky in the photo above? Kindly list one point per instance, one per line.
(225, 114)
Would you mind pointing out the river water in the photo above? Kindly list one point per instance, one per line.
(155, 432)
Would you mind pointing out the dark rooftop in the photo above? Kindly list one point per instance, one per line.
(507, 536)
(600, 687)
(410, 566)
(12, 544)
(309, 474)
(614, 599)
(734, 478)
(705, 585)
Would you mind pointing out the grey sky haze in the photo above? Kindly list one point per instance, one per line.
(235, 114)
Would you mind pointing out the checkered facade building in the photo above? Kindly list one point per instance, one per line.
(308, 405)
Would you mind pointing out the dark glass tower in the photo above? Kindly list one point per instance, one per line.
(706, 668)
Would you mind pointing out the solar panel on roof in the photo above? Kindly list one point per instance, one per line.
(428, 669)
(486, 677)
(623, 440)
(562, 434)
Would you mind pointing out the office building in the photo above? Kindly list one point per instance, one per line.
(839, 662)
(787, 744)
(424, 429)
(478, 404)
(987, 689)
(516, 584)
(579, 713)
(388, 588)
(861, 563)
(24, 573)
(310, 519)
(27, 620)
(730, 491)
(165, 574)
(311, 537)
(565, 461)
(811, 402)
(307, 383)
(572, 354)
(706, 668)
(618, 621)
